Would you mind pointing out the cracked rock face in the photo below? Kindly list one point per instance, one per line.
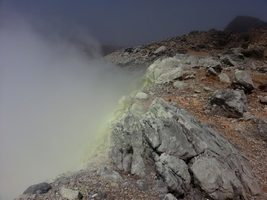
(175, 173)
(184, 153)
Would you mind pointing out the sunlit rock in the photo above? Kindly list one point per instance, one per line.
(177, 144)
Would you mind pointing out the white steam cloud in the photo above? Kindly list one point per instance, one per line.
(53, 98)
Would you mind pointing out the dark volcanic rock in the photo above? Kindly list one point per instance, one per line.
(230, 103)
(183, 152)
(40, 188)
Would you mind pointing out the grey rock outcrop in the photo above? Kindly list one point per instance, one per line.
(217, 178)
(164, 71)
(184, 153)
(243, 81)
(40, 188)
(178, 67)
(175, 172)
(228, 102)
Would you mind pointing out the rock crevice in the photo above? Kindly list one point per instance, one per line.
(185, 153)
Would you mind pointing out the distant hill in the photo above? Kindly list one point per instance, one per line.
(244, 24)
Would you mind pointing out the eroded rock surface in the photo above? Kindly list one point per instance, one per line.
(184, 152)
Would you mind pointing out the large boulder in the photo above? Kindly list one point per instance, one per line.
(164, 71)
(177, 68)
(243, 81)
(217, 178)
(185, 153)
(228, 102)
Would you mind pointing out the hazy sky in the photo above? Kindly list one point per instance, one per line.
(135, 21)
